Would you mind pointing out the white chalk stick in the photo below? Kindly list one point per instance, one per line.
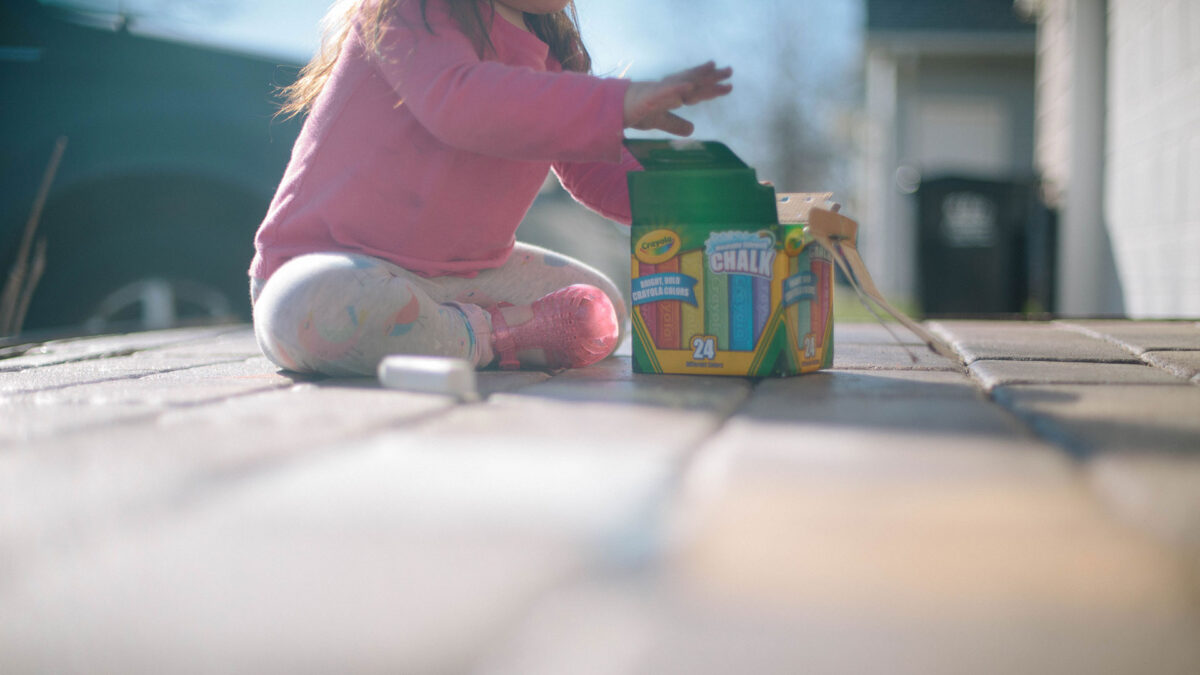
(429, 375)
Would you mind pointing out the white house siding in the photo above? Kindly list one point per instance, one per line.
(1152, 186)
(1053, 92)
(1070, 150)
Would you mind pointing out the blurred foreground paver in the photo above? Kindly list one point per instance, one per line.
(170, 502)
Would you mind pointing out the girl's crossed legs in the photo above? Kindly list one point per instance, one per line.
(341, 313)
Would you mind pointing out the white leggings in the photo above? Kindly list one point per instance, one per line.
(341, 313)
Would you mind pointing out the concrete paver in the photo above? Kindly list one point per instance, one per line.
(62, 491)
(1117, 418)
(233, 592)
(497, 381)
(76, 349)
(931, 403)
(497, 521)
(619, 427)
(856, 545)
(206, 512)
(1185, 364)
(1156, 493)
(28, 420)
(873, 334)
(985, 543)
(943, 548)
(175, 386)
(453, 495)
(92, 371)
(77, 395)
(997, 566)
(1026, 341)
(870, 427)
(232, 343)
(853, 356)
(627, 627)
(667, 391)
(1141, 336)
(991, 374)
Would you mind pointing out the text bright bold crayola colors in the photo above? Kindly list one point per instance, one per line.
(721, 285)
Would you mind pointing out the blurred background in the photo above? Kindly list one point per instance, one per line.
(1003, 158)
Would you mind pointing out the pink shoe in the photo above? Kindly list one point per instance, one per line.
(574, 326)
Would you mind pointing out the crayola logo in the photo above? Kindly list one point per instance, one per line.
(657, 246)
(793, 244)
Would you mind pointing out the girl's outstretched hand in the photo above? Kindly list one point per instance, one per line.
(648, 105)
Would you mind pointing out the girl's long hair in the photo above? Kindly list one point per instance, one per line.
(559, 30)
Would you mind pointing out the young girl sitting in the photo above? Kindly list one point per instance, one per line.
(431, 126)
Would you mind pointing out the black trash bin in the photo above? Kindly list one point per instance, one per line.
(984, 247)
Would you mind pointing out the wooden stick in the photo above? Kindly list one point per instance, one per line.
(18, 277)
(839, 234)
(35, 275)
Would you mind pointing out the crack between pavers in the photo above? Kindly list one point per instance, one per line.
(153, 415)
(168, 407)
(117, 353)
(168, 500)
(412, 421)
(194, 491)
(1044, 427)
(1143, 363)
(895, 369)
(59, 387)
(1037, 426)
(988, 389)
(112, 353)
(1053, 359)
(1138, 352)
(256, 467)
(691, 453)
(199, 488)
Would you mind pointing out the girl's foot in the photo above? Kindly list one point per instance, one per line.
(572, 327)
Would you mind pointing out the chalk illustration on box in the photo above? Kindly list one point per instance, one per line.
(806, 295)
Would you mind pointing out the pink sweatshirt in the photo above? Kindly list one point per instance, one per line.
(430, 157)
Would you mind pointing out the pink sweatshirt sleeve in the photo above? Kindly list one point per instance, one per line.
(600, 186)
(513, 112)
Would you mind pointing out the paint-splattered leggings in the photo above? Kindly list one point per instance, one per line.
(341, 313)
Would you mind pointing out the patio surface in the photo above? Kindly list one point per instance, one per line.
(171, 502)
